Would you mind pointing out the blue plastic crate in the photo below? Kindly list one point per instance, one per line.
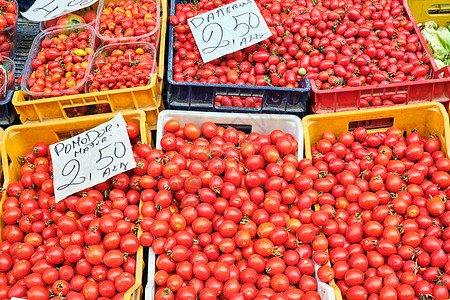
(26, 31)
(201, 96)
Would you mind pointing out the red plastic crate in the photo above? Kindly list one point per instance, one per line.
(324, 101)
(436, 89)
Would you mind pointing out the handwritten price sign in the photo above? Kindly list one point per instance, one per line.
(228, 28)
(91, 157)
(44, 10)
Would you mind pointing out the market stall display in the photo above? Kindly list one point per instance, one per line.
(298, 161)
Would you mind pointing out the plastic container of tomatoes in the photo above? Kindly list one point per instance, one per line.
(146, 98)
(9, 34)
(44, 25)
(325, 291)
(344, 99)
(17, 139)
(150, 37)
(430, 119)
(36, 48)
(427, 118)
(107, 50)
(435, 89)
(201, 96)
(248, 123)
(263, 124)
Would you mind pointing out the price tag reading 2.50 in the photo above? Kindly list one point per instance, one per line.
(228, 28)
(91, 157)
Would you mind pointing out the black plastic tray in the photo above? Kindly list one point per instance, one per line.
(26, 31)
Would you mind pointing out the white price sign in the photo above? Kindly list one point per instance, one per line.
(91, 157)
(228, 28)
(44, 10)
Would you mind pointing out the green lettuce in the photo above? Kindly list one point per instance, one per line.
(444, 37)
(434, 42)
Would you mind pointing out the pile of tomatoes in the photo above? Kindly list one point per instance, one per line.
(129, 20)
(122, 68)
(217, 216)
(384, 211)
(8, 20)
(83, 247)
(252, 102)
(335, 43)
(61, 65)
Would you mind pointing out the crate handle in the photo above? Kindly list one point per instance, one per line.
(371, 124)
(438, 3)
(247, 129)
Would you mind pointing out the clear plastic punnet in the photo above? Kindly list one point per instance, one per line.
(8, 35)
(36, 48)
(110, 33)
(108, 51)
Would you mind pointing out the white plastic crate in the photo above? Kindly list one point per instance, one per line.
(260, 123)
(325, 291)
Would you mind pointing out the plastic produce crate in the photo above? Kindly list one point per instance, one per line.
(435, 89)
(26, 31)
(429, 10)
(147, 98)
(248, 123)
(201, 96)
(20, 138)
(427, 118)
(438, 89)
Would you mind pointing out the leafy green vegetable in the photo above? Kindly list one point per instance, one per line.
(438, 40)
(444, 37)
(440, 63)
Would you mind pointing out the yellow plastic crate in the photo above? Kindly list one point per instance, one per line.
(427, 119)
(430, 10)
(1, 170)
(147, 98)
(20, 138)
